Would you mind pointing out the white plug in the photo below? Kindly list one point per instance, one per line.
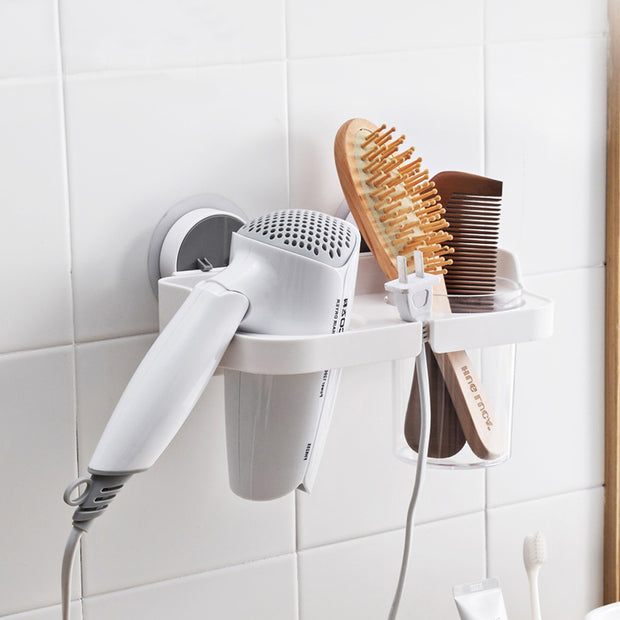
(412, 294)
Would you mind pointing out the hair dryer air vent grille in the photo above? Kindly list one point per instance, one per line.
(315, 235)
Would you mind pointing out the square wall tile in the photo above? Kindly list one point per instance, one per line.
(48, 613)
(558, 421)
(546, 133)
(138, 145)
(38, 456)
(34, 236)
(265, 590)
(433, 97)
(131, 34)
(509, 21)
(180, 517)
(28, 38)
(571, 580)
(362, 488)
(348, 27)
(357, 578)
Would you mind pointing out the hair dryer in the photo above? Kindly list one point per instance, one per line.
(290, 272)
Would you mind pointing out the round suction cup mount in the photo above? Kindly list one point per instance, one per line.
(193, 234)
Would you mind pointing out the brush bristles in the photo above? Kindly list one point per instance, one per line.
(407, 209)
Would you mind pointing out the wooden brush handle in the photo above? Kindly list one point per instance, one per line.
(481, 425)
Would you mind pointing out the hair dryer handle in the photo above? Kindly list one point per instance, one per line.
(169, 380)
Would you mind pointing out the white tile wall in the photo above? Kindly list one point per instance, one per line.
(569, 581)
(132, 34)
(48, 613)
(546, 125)
(347, 27)
(37, 456)
(109, 116)
(219, 130)
(506, 20)
(557, 427)
(34, 236)
(357, 579)
(263, 590)
(28, 38)
(445, 128)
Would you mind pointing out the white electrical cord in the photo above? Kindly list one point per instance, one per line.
(67, 569)
(99, 491)
(425, 430)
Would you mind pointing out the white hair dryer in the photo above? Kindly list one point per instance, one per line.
(290, 272)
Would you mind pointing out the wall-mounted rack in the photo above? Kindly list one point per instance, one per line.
(486, 329)
(376, 333)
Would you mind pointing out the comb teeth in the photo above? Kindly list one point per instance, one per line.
(395, 204)
(472, 206)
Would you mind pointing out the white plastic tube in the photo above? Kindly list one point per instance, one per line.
(482, 600)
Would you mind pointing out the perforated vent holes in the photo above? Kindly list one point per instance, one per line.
(315, 235)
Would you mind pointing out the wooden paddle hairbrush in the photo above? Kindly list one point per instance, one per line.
(398, 211)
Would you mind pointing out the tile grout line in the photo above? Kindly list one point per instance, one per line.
(287, 124)
(130, 71)
(65, 162)
(484, 126)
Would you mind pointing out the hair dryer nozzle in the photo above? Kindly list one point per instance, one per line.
(276, 425)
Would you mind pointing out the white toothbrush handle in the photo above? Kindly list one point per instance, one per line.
(169, 380)
(534, 595)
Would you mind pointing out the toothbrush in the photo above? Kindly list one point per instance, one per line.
(534, 556)
(397, 210)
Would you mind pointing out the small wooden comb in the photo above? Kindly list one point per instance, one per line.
(473, 204)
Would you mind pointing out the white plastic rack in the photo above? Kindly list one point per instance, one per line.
(376, 333)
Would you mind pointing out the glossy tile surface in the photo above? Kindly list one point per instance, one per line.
(570, 581)
(28, 38)
(47, 613)
(130, 34)
(445, 127)
(357, 579)
(348, 27)
(37, 448)
(34, 236)
(181, 133)
(546, 128)
(558, 416)
(506, 20)
(261, 590)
